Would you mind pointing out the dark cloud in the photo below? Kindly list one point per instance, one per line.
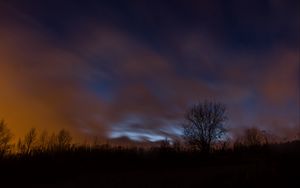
(132, 69)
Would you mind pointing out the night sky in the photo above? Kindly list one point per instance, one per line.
(132, 68)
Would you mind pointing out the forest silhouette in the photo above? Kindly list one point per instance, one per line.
(203, 157)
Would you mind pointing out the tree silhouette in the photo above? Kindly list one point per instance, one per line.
(63, 140)
(5, 138)
(27, 145)
(43, 142)
(204, 125)
(254, 137)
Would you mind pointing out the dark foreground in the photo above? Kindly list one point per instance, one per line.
(268, 166)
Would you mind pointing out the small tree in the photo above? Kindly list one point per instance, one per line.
(52, 143)
(254, 137)
(43, 142)
(27, 145)
(177, 145)
(204, 125)
(63, 140)
(5, 139)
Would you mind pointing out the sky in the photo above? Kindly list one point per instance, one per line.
(132, 68)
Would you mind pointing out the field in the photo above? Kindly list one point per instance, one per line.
(263, 166)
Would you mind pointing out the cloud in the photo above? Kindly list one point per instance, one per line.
(104, 78)
(43, 84)
(281, 79)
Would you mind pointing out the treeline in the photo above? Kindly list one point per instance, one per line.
(203, 131)
(34, 143)
(205, 155)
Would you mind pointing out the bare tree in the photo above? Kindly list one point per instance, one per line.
(27, 145)
(165, 144)
(177, 145)
(254, 137)
(204, 125)
(43, 141)
(52, 143)
(64, 140)
(5, 139)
